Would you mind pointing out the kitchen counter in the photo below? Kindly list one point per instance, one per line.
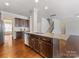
(48, 42)
(62, 45)
(51, 35)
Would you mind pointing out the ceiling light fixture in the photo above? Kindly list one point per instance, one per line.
(36, 1)
(78, 16)
(46, 8)
(7, 4)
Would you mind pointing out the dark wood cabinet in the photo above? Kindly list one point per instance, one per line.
(37, 45)
(34, 43)
(19, 22)
(41, 46)
(31, 42)
(22, 22)
(27, 23)
(19, 35)
(46, 49)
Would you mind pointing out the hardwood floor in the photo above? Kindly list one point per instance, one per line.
(71, 49)
(16, 49)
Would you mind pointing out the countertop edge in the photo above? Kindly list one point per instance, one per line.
(51, 35)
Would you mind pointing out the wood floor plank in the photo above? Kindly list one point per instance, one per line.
(16, 49)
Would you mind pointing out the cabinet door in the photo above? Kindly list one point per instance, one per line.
(34, 43)
(19, 22)
(46, 49)
(31, 42)
(19, 35)
(27, 24)
(37, 46)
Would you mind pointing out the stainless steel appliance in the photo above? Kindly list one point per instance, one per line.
(1, 31)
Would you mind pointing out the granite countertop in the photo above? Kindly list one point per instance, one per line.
(51, 35)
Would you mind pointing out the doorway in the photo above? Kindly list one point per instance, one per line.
(8, 31)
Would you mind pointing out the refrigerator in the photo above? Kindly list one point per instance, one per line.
(1, 31)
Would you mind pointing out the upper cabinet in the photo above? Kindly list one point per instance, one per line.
(22, 24)
(27, 23)
(19, 22)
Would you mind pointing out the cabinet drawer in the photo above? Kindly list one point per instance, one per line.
(48, 40)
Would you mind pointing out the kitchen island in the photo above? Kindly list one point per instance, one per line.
(46, 44)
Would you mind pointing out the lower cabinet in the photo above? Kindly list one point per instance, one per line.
(44, 48)
(37, 45)
(31, 42)
(34, 43)
(19, 35)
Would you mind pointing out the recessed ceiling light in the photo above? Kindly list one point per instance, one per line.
(36, 1)
(46, 8)
(7, 4)
(78, 16)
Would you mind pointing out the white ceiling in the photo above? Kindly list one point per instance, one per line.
(64, 9)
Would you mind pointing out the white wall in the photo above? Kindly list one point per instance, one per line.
(68, 27)
(72, 27)
(44, 25)
(57, 27)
